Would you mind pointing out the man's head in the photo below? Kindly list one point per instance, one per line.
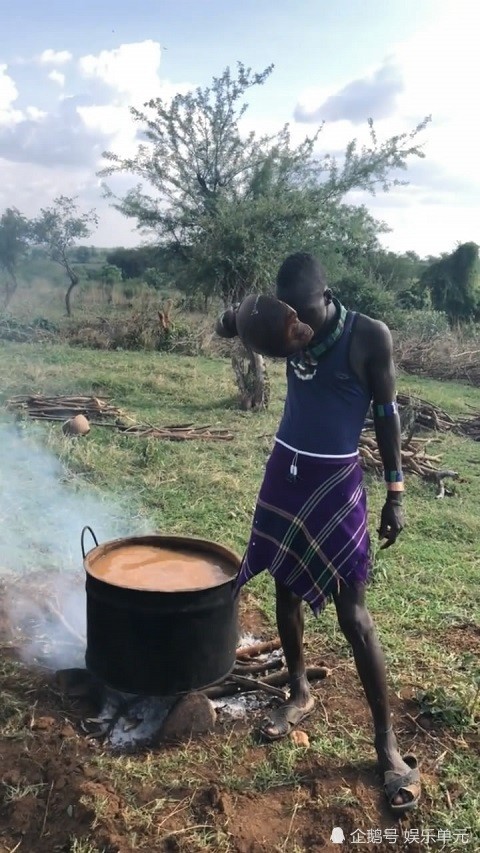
(301, 283)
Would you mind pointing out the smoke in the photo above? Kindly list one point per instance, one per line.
(43, 509)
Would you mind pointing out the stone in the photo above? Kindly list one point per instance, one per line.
(192, 714)
(68, 731)
(300, 738)
(41, 724)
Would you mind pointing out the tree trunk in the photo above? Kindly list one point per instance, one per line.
(10, 289)
(73, 283)
(251, 378)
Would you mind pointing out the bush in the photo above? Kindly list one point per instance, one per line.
(366, 296)
(424, 325)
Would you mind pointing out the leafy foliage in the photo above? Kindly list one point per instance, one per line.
(57, 229)
(14, 240)
(230, 206)
(454, 283)
(134, 262)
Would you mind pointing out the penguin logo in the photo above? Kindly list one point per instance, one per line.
(337, 836)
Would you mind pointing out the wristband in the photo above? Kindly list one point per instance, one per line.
(385, 410)
(395, 487)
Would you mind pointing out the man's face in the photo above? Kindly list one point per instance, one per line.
(311, 310)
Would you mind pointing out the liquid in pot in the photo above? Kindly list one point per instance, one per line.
(160, 569)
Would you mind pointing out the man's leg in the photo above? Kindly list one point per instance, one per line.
(357, 626)
(290, 628)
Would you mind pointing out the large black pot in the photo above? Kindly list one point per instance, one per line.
(160, 643)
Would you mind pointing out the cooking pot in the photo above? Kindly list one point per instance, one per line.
(160, 643)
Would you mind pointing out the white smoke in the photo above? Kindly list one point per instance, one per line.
(43, 509)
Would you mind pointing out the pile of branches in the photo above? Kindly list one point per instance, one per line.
(101, 412)
(439, 358)
(415, 459)
(417, 414)
(58, 408)
(178, 432)
(469, 427)
(258, 670)
(38, 331)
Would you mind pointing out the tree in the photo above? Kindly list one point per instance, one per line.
(14, 239)
(84, 254)
(231, 206)
(454, 283)
(134, 262)
(57, 229)
(109, 276)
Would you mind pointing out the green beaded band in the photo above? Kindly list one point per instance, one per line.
(393, 477)
(385, 410)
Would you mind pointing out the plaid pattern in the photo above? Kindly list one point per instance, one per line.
(310, 532)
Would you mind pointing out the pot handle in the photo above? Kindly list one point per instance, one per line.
(82, 539)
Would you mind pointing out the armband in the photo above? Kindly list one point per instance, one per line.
(385, 410)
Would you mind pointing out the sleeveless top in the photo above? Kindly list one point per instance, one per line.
(326, 404)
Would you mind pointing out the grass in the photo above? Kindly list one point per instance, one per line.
(424, 595)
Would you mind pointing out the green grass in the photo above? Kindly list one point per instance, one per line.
(423, 589)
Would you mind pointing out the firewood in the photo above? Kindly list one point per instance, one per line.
(258, 649)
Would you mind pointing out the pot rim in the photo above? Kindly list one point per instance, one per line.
(205, 545)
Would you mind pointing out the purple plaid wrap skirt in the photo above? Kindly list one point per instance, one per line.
(309, 531)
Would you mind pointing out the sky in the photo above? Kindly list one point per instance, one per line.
(69, 72)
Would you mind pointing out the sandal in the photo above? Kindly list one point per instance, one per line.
(409, 783)
(285, 718)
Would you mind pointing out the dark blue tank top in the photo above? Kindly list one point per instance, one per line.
(324, 414)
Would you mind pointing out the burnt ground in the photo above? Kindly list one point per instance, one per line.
(61, 792)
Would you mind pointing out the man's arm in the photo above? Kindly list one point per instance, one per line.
(381, 377)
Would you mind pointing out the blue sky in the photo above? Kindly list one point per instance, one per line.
(69, 71)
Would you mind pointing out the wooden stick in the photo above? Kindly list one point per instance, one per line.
(257, 684)
(277, 679)
(258, 649)
(242, 667)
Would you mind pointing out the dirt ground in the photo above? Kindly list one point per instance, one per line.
(60, 792)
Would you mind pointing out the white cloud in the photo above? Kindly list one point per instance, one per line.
(55, 57)
(57, 77)
(35, 114)
(131, 70)
(123, 77)
(59, 151)
(439, 67)
(8, 95)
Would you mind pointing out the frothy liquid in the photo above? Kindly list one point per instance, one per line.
(159, 569)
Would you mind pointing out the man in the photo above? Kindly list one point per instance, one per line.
(310, 526)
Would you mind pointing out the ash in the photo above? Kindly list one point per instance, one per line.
(127, 721)
(239, 707)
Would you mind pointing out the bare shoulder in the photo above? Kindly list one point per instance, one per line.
(375, 336)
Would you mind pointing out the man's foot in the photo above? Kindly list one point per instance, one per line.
(401, 775)
(284, 719)
(288, 716)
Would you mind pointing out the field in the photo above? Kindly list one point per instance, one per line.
(61, 792)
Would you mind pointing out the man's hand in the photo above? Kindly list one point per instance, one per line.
(391, 522)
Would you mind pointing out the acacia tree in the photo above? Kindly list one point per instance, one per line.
(230, 205)
(14, 238)
(454, 283)
(57, 229)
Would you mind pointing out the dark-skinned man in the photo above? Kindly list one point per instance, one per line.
(310, 523)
